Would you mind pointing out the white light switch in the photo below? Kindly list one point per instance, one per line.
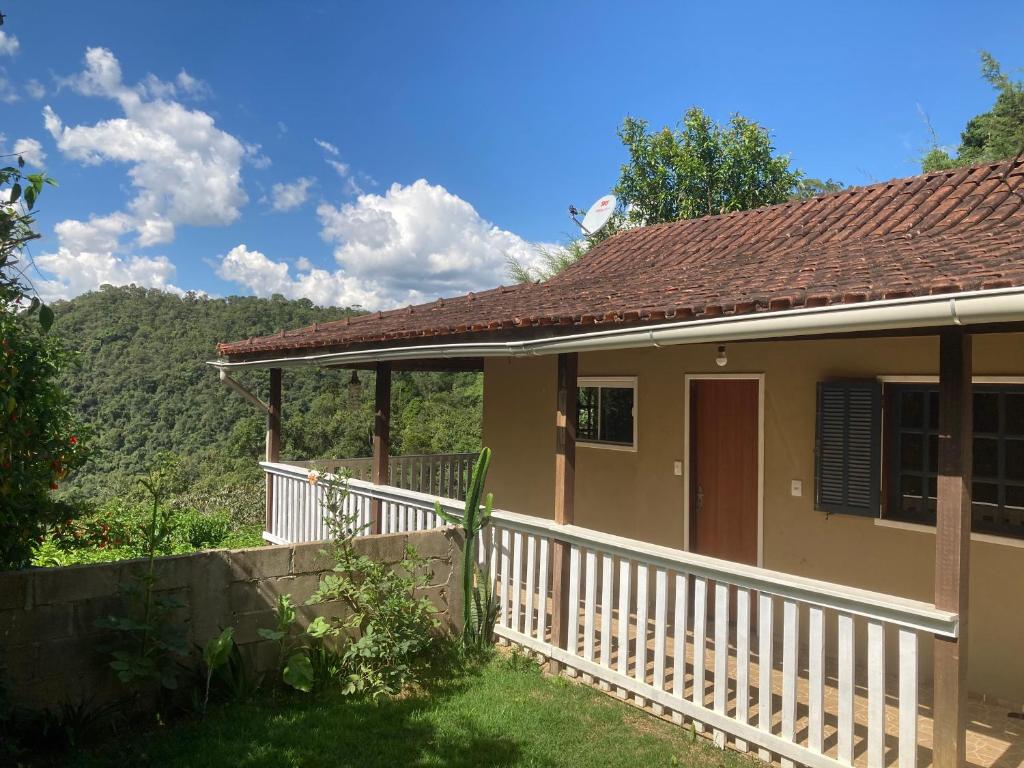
(796, 488)
(677, 468)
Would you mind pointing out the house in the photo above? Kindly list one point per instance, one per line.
(747, 477)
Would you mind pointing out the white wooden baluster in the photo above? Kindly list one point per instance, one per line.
(589, 609)
(517, 585)
(700, 628)
(816, 678)
(420, 519)
(574, 604)
(721, 687)
(293, 510)
(640, 670)
(660, 627)
(607, 577)
(624, 589)
(275, 518)
(679, 643)
(503, 594)
(742, 661)
(908, 698)
(542, 592)
(531, 570)
(765, 609)
(876, 694)
(790, 671)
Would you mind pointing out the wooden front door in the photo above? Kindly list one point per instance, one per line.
(724, 425)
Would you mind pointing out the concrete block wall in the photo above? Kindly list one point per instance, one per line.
(50, 644)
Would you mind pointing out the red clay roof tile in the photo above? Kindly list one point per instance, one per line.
(937, 233)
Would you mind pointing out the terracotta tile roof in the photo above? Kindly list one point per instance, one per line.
(937, 233)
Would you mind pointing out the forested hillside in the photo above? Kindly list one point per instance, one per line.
(142, 388)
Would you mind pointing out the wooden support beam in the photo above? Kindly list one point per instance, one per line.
(381, 437)
(273, 451)
(565, 486)
(952, 544)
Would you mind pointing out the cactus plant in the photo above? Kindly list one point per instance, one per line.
(479, 608)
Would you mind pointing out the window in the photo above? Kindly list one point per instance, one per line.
(606, 412)
(912, 456)
(847, 455)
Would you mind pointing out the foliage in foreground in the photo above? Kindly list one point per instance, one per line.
(210, 504)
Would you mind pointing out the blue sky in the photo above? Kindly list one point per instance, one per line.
(449, 135)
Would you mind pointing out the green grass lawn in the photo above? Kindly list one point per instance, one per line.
(504, 713)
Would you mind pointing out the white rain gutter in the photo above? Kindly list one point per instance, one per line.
(999, 305)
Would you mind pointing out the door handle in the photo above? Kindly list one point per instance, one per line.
(700, 499)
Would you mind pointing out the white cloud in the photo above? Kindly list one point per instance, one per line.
(287, 197)
(409, 245)
(327, 146)
(340, 167)
(35, 89)
(185, 169)
(9, 44)
(8, 93)
(264, 277)
(87, 257)
(31, 150)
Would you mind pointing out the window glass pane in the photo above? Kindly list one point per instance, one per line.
(1014, 460)
(910, 495)
(986, 457)
(933, 409)
(912, 409)
(1015, 497)
(1014, 405)
(986, 412)
(985, 493)
(933, 489)
(911, 451)
(586, 424)
(933, 453)
(617, 415)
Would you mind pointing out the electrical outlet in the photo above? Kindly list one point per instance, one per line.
(796, 488)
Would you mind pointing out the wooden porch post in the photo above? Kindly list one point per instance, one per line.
(381, 437)
(273, 452)
(952, 544)
(565, 484)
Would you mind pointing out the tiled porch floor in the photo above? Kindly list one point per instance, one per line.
(995, 740)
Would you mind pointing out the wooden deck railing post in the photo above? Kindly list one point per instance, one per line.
(273, 450)
(381, 437)
(952, 544)
(565, 481)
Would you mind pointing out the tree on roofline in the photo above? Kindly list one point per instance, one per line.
(991, 136)
(699, 168)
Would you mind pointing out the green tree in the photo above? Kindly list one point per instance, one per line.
(995, 135)
(700, 169)
(38, 441)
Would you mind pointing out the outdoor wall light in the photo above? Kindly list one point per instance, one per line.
(722, 359)
(354, 388)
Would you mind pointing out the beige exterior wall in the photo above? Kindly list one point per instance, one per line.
(637, 495)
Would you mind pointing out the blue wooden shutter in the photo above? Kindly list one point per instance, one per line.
(848, 447)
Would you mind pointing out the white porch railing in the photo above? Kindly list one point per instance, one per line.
(442, 474)
(765, 660)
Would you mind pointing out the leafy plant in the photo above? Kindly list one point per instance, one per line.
(480, 609)
(216, 654)
(151, 644)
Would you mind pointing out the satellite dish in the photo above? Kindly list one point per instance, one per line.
(598, 215)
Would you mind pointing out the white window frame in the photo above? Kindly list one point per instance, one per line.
(612, 382)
